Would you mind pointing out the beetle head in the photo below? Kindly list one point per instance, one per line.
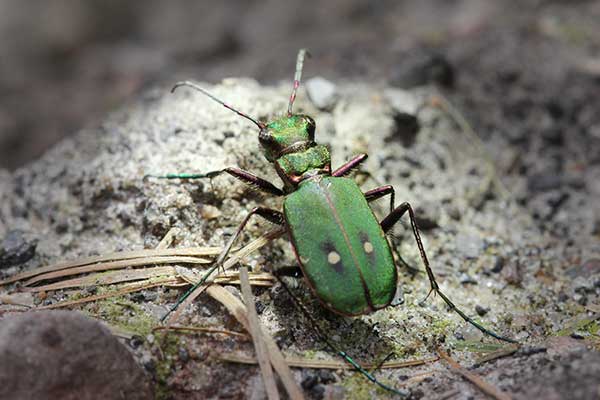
(287, 134)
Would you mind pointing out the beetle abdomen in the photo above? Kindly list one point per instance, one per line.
(340, 246)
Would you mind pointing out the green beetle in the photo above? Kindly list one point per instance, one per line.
(341, 247)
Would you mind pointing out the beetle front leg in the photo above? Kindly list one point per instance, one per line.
(273, 216)
(388, 222)
(350, 165)
(244, 176)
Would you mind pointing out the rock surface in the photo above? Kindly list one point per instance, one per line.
(64, 355)
(87, 196)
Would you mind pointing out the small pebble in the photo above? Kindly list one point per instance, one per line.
(150, 339)
(321, 92)
(16, 248)
(467, 279)
(402, 101)
(184, 355)
(326, 376)
(136, 341)
(481, 311)
(498, 264)
(578, 335)
(209, 212)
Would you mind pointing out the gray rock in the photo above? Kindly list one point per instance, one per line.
(65, 355)
(571, 378)
(87, 196)
(402, 101)
(16, 248)
(322, 92)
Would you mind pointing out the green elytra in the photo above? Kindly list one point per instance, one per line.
(340, 246)
(350, 266)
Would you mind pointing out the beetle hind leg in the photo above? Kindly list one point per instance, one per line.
(388, 222)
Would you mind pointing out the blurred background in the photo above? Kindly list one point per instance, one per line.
(526, 73)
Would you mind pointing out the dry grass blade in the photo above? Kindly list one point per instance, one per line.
(475, 379)
(257, 337)
(327, 364)
(193, 276)
(150, 283)
(111, 265)
(233, 260)
(118, 256)
(238, 310)
(109, 278)
(192, 329)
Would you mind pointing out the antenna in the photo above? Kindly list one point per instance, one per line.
(297, 77)
(198, 88)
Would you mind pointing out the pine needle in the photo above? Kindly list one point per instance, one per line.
(118, 256)
(297, 362)
(111, 265)
(257, 337)
(150, 283)
(109, 278)
(192, 329)
(475, 379)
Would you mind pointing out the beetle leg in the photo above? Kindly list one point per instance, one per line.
(378, 193)
(381, 191)
(350, 165)
(237, 173)
(387, 224)
(317, 328)
(273, 216)
(270, 215)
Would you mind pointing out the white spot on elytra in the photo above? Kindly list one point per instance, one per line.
(368, 247)
(333, 257)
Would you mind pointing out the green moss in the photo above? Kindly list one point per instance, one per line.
(440, 326)
(358, 387)
(169, 345)
(310, 354)
(123, 314)
(589, 325)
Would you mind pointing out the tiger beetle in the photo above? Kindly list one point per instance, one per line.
(340, 246)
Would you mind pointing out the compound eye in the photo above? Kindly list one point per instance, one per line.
(264, 136)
